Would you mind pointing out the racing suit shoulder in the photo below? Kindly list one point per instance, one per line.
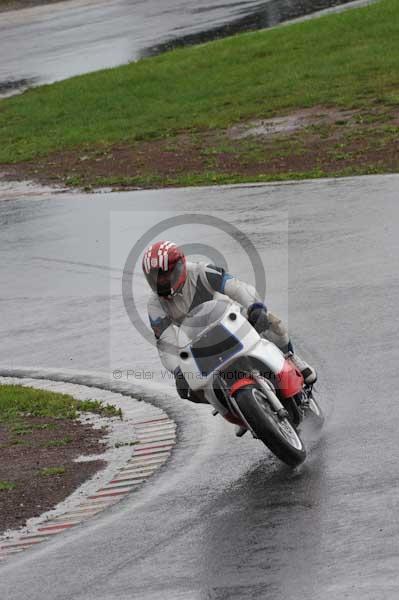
(241, 292)
(219, 280)
(213, 277)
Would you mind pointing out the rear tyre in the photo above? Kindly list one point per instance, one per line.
(279, 435)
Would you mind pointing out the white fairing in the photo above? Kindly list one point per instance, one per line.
(197, 326)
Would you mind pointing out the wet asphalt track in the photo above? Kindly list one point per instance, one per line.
(48, 43)
(224, 520)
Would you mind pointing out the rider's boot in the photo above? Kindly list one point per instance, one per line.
(308, 372)
(278, 334)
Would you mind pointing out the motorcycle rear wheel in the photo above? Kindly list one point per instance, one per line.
(277, 433)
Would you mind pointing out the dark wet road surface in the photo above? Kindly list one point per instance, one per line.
(224, 520)
(49, 43)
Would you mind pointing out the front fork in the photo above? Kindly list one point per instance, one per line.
(270, 393)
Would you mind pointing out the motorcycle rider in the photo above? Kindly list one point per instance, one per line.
(179, 286)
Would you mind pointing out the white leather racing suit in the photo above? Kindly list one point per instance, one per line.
(204, 282)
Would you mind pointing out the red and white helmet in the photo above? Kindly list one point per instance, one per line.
(164, 266)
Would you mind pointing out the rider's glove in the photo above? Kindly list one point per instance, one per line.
(182, 387)
(257, 316)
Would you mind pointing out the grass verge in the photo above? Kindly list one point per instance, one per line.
(52, 471)
(82, 130)
(6, 486)
(17, 401)
(40, 438)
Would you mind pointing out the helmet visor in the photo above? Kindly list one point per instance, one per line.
(165, 283)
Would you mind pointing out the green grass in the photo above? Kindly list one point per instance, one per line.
(52, 471)
(347, 60)
(217, 178)
(21, 429)
(18, 401)
(6, 486)
(95, 406)
(17, 442)
(57, 443)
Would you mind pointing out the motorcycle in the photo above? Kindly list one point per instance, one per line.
(246, 378)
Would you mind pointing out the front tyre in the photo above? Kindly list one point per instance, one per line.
(277, 434)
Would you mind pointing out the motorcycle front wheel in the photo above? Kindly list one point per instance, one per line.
(277, 433)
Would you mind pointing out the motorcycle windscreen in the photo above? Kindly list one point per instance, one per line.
(203, 316)
(214, 349)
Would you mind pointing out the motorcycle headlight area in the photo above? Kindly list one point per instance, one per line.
(214, 349)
